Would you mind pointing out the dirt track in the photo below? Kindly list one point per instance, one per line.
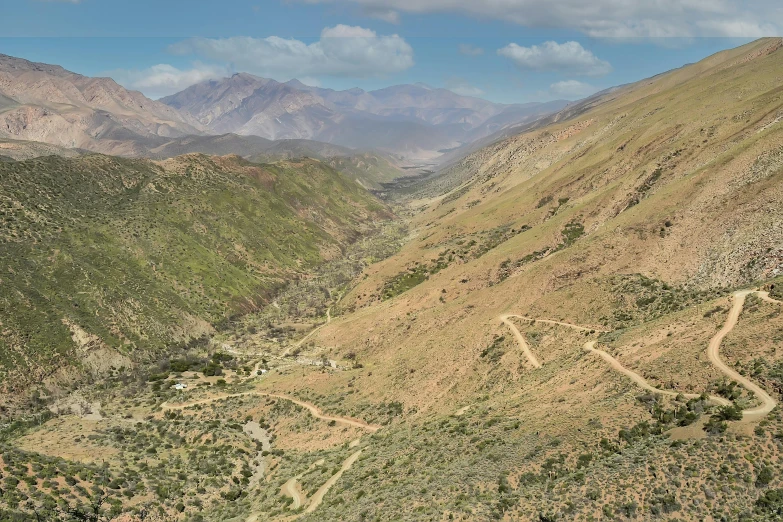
(755, 413)
(521, 340)
(313, 409)
(318, 496)
(767, 402)
(640, 381)
(312, 332)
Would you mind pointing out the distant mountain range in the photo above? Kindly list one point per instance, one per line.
(46, 103)
(416, 121)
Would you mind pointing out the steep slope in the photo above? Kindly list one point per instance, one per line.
(641, 213)
(107, 261)
(656, 181)
(57, 106)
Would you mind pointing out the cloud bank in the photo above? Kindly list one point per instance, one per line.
(341, 51)
(610, 18)
(552, 56)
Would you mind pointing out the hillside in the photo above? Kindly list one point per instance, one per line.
(582, 321)
(23, 150)
(114, 260)
(41, 102)
(369, 169)
(639, 214)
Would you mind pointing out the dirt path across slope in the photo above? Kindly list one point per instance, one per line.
(521, 340)
(312, 408)
(755, 413)
(292, 489)
(318, 496)
(640, 381)
(569, 325)
(713, 352)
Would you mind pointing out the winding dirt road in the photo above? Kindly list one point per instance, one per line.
(521, 340)
(291, 489)
(549, 321)
(640, 381)
(713, 353)
(312, 408)
(318, 496)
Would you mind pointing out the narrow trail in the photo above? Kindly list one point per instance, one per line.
(292, 489)
(462, 410)
(569, 325)
(312, 332)
(312, 408)
(521, 340)
(318, 496)
(755, 413)
(713, 352)
(640, 381)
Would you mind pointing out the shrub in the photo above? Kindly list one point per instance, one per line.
(765, 476)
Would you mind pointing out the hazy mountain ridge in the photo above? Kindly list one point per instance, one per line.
(413, 120)
(67, 109)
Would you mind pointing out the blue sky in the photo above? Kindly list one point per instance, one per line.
(504, 50)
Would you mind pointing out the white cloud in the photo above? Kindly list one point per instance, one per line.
(611, 18)
(552, 56)
(469, 50)
(571, 89)
(341, 51)
(163, 79)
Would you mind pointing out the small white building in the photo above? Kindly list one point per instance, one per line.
(261, 371)
(180, 386)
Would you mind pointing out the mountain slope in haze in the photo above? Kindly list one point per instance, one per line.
(23, 150)
(369, 168)
(107, 261)
(59, 107)
(413, 120)
(636, 216)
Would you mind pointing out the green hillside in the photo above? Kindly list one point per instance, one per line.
(129, 255)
